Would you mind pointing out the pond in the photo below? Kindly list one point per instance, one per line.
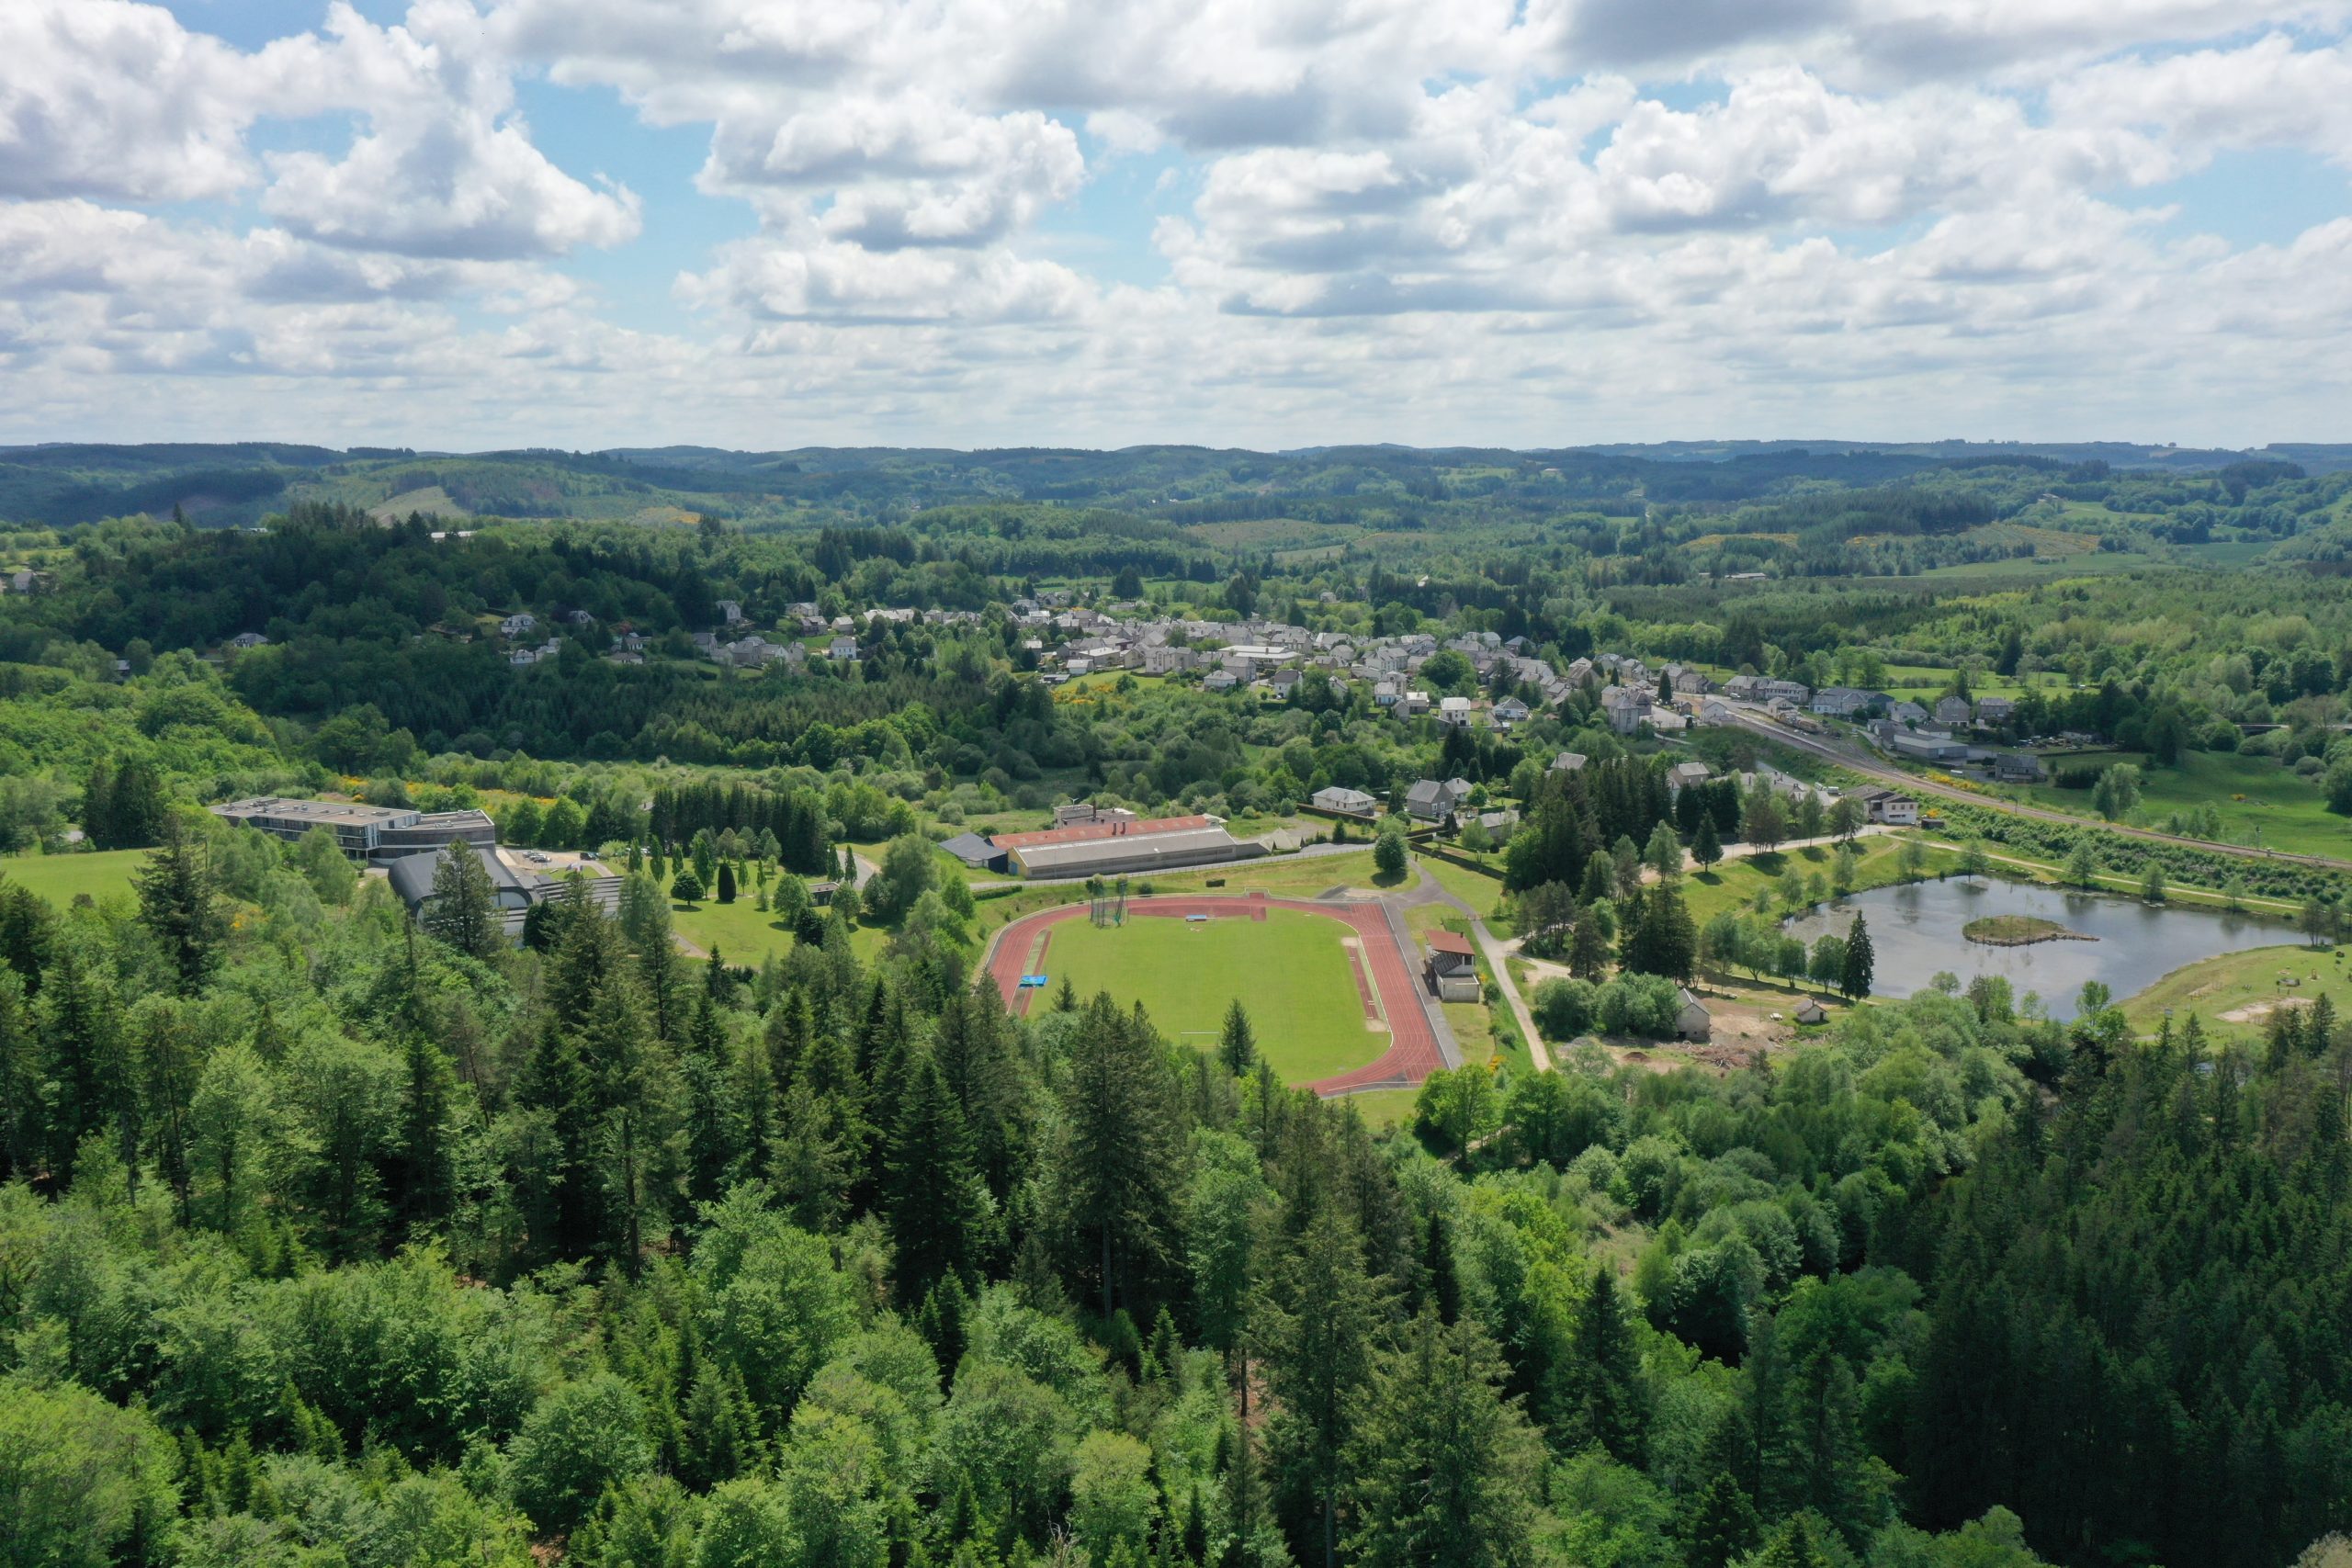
(1915, 931)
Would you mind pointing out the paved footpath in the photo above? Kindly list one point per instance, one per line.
(1418, 1041)
(1498, 959)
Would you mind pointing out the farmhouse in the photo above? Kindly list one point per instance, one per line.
(1353, 802)
(1845, 702)
(1886, 805)
(2016, 767)
(1452, 968)
(1682, 775)
(1434, 800)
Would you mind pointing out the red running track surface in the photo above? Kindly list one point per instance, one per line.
(1412, 1053)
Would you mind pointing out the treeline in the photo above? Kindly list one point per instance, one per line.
(795, 816)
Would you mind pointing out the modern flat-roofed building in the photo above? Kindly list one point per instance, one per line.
(376, 834)
(433, 828)
(357, 827)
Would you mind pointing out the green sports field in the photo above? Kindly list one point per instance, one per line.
(1289, 970)
(58, 878)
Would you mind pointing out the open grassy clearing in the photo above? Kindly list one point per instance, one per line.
(431, 499)
(1291, 971)
(58, 878)
(2234, 992)
(745, 935)
(2102, 563)
(1384, 1107)
(1278, 534)
(742, 933)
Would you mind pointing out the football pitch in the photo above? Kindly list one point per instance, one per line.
(1292, 971)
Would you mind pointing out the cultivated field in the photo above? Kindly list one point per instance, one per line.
(2248, 793)
(1291, 971)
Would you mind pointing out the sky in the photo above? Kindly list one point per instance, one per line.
(466, 224)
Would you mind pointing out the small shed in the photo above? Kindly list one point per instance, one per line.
(976, 853)
(1692, 1021)
(1452, 967)
(1810, 1010)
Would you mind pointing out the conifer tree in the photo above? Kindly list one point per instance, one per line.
(463, 909)
(1236, 1045)
(179, 901)
(1119, 1163)
(1442, 1466)
(1664, 941)
(929, 1185)
(1706, 844)
(1855, 983)
(1316, 1323)
(1605, 1400)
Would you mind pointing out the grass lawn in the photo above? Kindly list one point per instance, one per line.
(1733, 885)
(1289, 970)
(2249, 794)
(59, 878)
(1383, 1107)
(745, 936)
(1481, 893)
(2246, 983)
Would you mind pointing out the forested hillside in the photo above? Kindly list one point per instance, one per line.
(329, 1240)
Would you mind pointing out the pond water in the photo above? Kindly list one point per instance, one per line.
(1915, 932)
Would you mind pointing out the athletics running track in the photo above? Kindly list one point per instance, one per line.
(1412, 1053)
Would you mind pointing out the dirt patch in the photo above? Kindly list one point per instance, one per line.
(2255, 1012)
(1747, 1027)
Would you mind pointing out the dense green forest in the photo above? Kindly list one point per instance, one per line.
(328, 1241)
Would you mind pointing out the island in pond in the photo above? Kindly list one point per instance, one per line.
(2018, 931)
